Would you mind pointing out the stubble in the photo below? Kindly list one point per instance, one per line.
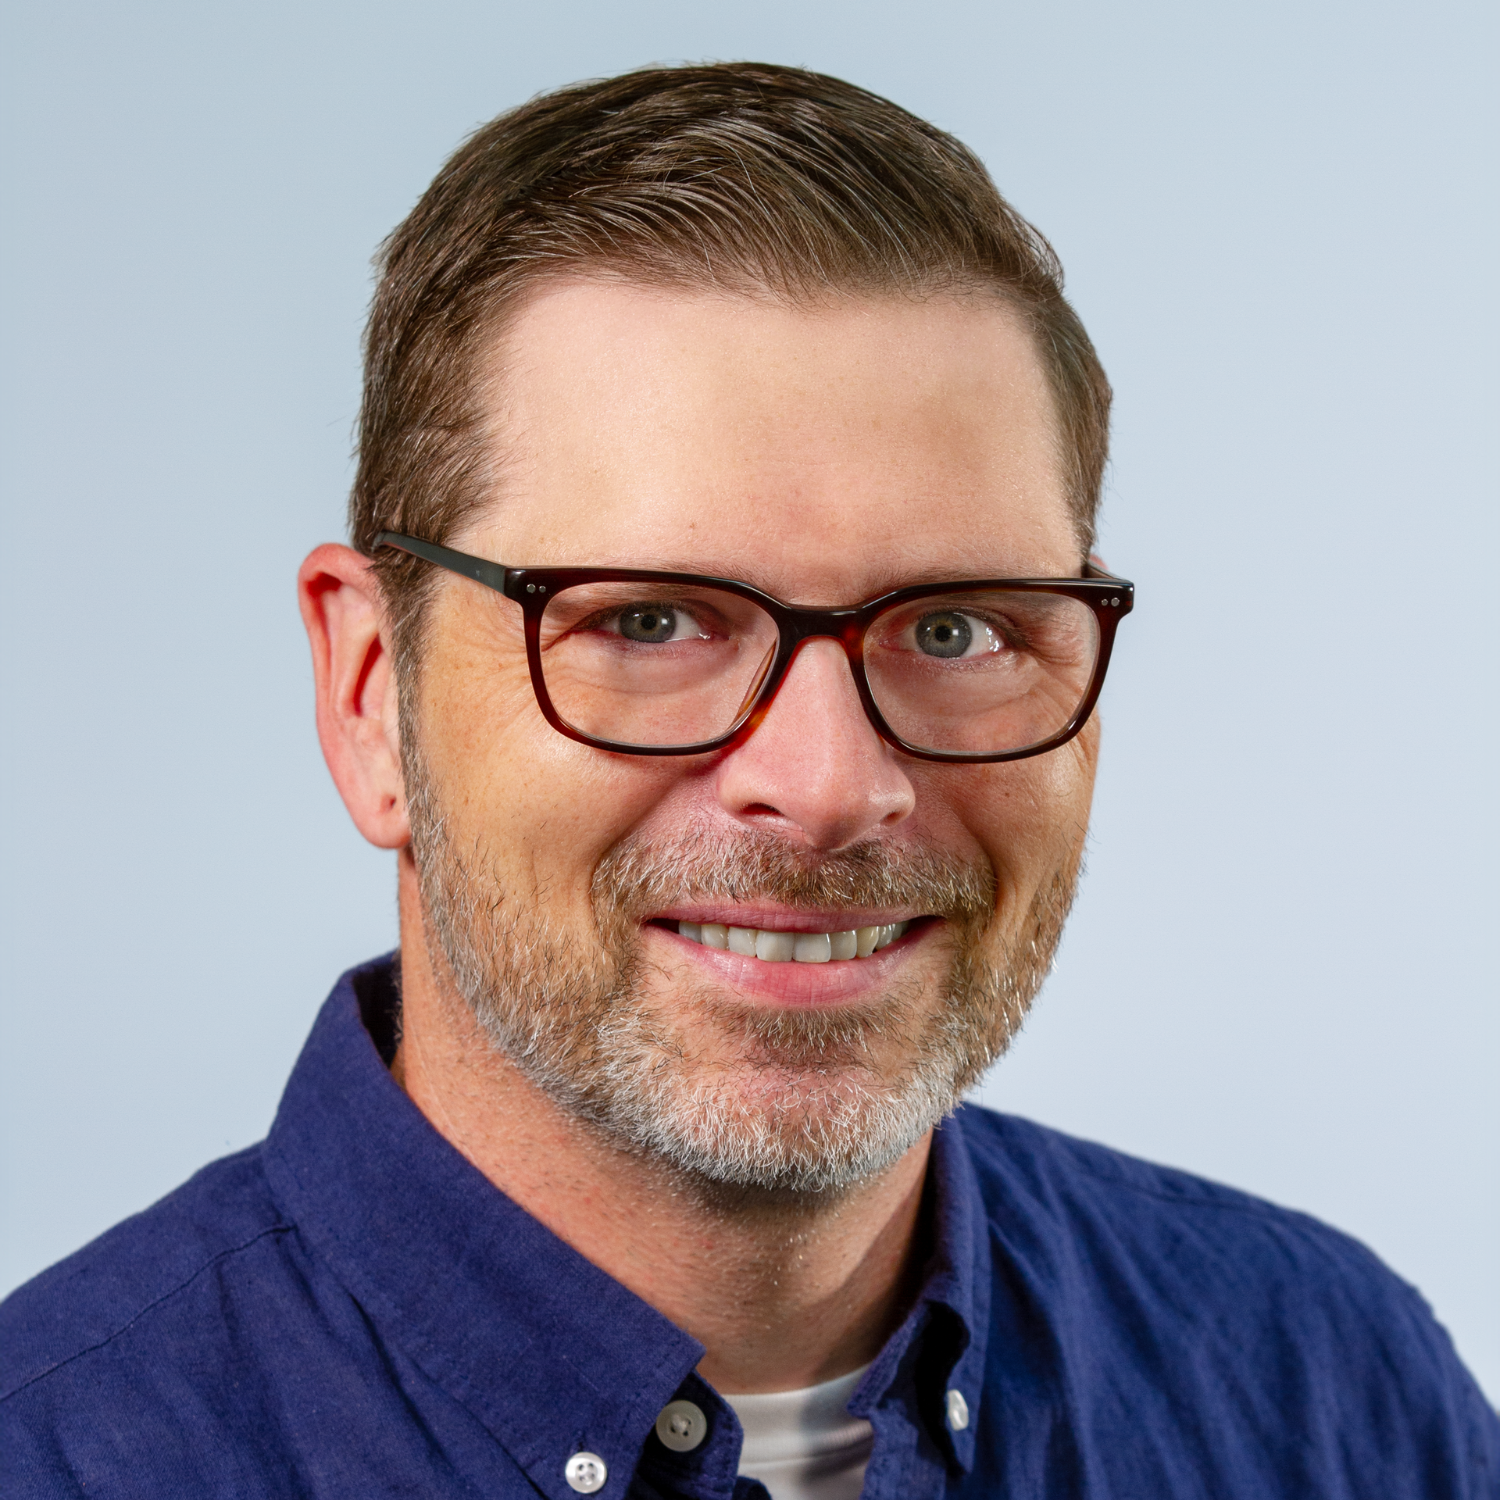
(735, 1096)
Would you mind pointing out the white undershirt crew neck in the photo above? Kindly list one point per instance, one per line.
(804, 1445)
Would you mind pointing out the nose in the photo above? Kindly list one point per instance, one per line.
(815, 766)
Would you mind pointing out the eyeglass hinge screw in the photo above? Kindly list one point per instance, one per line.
(531, 588)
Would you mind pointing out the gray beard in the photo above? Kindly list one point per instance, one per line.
(783, 1102)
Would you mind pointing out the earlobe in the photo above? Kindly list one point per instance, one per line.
(354, 681)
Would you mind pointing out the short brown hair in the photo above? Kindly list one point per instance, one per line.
(735, 176)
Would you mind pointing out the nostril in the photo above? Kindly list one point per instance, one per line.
(761, 810)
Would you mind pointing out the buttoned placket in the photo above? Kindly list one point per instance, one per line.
(693, 1450)
(477, 1291)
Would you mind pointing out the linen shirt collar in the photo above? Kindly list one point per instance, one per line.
(550, 1353)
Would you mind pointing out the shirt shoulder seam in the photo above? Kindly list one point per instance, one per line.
(1200, 1193)
(278, 1228)
(1231, 1200)
(1309, 1230)
(1227, 1200)
(1204, 1192)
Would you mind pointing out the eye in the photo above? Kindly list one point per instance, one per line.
(652, 623)
(946, 634)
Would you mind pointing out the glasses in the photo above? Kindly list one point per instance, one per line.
(646, 663)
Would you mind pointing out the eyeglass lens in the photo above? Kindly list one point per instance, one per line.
(981, 672)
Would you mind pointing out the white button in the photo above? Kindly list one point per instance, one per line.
(958, 1411)
(586, 1472)
(681, 1426)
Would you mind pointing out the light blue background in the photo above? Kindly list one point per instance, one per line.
(1278, 222)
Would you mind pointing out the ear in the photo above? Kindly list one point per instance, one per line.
(356, 690)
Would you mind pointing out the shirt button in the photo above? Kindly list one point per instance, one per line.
(681, 1426)
(958, 1411)
(586, 1472)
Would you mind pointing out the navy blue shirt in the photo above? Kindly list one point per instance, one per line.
(351, 1309)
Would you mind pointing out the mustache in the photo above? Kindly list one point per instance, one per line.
(640, 875)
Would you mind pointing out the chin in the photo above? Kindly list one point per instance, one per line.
(771, 1127)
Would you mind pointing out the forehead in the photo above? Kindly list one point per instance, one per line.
(824, 452)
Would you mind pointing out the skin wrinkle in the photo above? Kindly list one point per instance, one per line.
(711, 1143)
(822, 1118)
(689, 179)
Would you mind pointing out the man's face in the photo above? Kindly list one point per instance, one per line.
(825, 455)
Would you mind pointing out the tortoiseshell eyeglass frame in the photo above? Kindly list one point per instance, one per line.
(1109, 598)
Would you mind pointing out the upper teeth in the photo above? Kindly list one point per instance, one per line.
(793, 947)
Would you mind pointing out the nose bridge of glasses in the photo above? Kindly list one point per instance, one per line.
(801, 628)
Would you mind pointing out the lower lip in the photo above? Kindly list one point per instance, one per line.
(805, 986)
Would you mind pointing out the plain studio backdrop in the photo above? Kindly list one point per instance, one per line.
(1278, 222)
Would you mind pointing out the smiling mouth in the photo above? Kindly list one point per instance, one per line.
(792, 947)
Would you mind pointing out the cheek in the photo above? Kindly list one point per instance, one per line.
(1028, 816)
(543, 808)
(556, 808)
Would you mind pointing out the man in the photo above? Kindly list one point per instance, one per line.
(718, 651)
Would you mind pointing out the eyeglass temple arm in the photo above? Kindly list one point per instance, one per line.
(491, 575)
(497, 575)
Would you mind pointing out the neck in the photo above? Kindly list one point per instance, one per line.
(782, 1292)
